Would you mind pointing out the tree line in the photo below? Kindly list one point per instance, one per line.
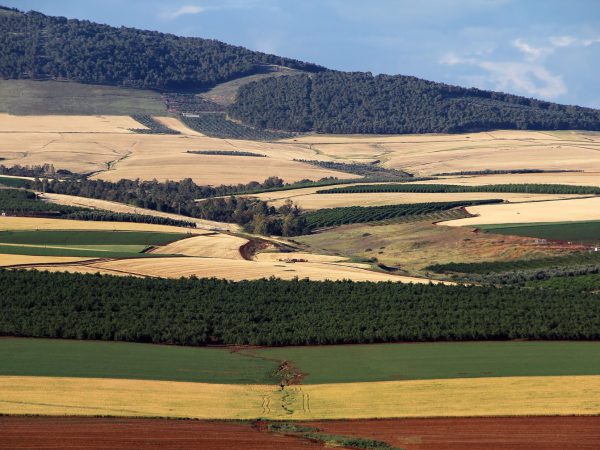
(189, 199)
(451, 188)
(210, 311)
(343, 102)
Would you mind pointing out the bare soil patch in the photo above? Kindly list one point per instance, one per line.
(549, 433)
(104, 433)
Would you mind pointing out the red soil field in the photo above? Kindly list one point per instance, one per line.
(104, 433)
(521, 433)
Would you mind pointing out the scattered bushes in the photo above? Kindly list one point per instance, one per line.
(226, 153)
(217, 125)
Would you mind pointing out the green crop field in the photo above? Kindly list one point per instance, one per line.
(320, 364)
(13, 182)
(93, 244)
(89, 237)
(382, 362)
(62, 358)
(580, 232)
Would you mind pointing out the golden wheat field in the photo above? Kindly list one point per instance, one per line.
(437, 153)
(177, 125)
(12, 260)
(67, 124)
(236, 269)
(505, 396)
(208, 246)
(104, 145)
(552, 211)
(318, 201)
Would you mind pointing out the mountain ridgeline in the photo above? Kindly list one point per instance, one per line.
(39, 47)
(342, 102)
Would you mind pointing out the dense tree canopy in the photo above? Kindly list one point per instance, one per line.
(341, 102)
(276, 312)
(37, 46)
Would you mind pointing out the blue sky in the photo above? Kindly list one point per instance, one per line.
(544, 49)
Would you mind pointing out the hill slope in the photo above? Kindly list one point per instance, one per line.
(338, 102)
(312, 98)
(37, 46)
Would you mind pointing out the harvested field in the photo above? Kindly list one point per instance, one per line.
(127, 434)
(436, 153)
(318, 201)
(415, 245)
(207, 246)
(71, 200)
(571, 178)
(508, 396)
(499, 433)
(67, 124)
(177, 125)
(236, 270)
(36, 223)
(12, 260)
(575, 210)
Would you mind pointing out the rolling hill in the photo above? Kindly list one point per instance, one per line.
(301, 97)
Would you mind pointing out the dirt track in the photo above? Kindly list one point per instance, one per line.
(95, 433)
(521, 433)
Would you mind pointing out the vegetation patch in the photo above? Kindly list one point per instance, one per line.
(329, 440)
(502, 172)
(219, 126)
(365, 170)
(486, 267)
(579, 232)
(153, 126)
(226, 153)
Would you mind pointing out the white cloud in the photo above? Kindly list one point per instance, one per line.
(182, 11)
(571, 41)
(532, 53)
(526, 78)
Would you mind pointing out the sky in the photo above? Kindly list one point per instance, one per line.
(548, 49)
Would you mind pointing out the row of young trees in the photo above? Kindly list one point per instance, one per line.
(447, 188)
(210, 311)
(37, 46)
(343, 102)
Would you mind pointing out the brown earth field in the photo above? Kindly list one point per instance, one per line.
(515, 433)
(126, 434)
(549, 433)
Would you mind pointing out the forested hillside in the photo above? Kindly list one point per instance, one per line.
(340, 102)
(37, 46)
(40, 47)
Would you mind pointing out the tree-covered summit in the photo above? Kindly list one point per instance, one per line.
(36, 46)
(343, 102)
